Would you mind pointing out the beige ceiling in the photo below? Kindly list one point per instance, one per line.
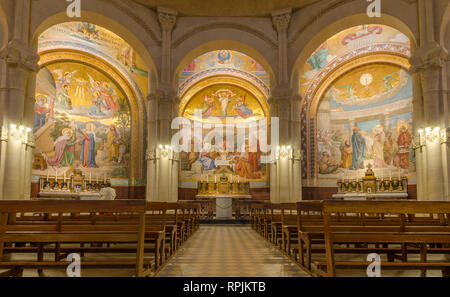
(226, 7)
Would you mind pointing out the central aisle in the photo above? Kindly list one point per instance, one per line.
(229, 251)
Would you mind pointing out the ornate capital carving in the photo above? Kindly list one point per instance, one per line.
(3, 134)
(297, 155)
(445, 136)
(167, 93)
(430, 56)
(18, 54)
(167, 18)
(281, 20)
(151, 155)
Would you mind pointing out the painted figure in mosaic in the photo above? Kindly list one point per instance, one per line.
(359, 150)
(404, 139)
(224, 98)
(208, 106)
(64, 99)
(378, 146)
(319, 59)
(388, 149)
(88, 147)
(112, 144)
(326, 165)
(64, 149)
(346, 155)
(110, 96)
(41, 110)
(95, 108)
(242, 108)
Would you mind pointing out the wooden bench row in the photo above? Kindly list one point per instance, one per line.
(109, 227)
(396, 229)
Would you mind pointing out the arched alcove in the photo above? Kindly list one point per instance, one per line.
(356, 86)
(227, 88)
(90, 105)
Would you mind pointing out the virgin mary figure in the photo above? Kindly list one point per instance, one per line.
(88, 147)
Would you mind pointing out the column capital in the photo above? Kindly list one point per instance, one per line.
(167, 93)
(18, 54)
(281, 19)
(167, 18)
(430, 56)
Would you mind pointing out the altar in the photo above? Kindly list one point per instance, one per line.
(223, 191)
(73, 187)
(371, 187)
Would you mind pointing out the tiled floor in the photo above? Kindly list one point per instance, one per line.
(229, 251)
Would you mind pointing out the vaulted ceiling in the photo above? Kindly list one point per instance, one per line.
(227, 7)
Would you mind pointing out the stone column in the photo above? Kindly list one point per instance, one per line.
(427, 68)
(19, 67)
(162, 162)
(285, 171)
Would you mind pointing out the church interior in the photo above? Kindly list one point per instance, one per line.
(211, 138)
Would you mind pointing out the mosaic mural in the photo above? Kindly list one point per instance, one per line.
(223, 103)
(82, 121)
(97, 41)
(365, 117)
(334, 50)
(224, 62)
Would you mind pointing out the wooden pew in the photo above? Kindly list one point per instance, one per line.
(401, 229)
(289, 229)
(61, 231)
(274, 221)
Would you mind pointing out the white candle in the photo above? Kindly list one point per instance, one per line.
(64, 176)
(105, 178)
(207, 178)
(390, 174)
(56, 175)
(97, 177)
(90, 177)
(48, 175)
(215, 178)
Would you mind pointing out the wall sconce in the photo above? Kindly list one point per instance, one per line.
(432, 134)
(428, 135)
(284, 152)
(165, 151)
(19, 133)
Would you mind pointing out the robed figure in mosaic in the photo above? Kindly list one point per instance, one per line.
(359, 150)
